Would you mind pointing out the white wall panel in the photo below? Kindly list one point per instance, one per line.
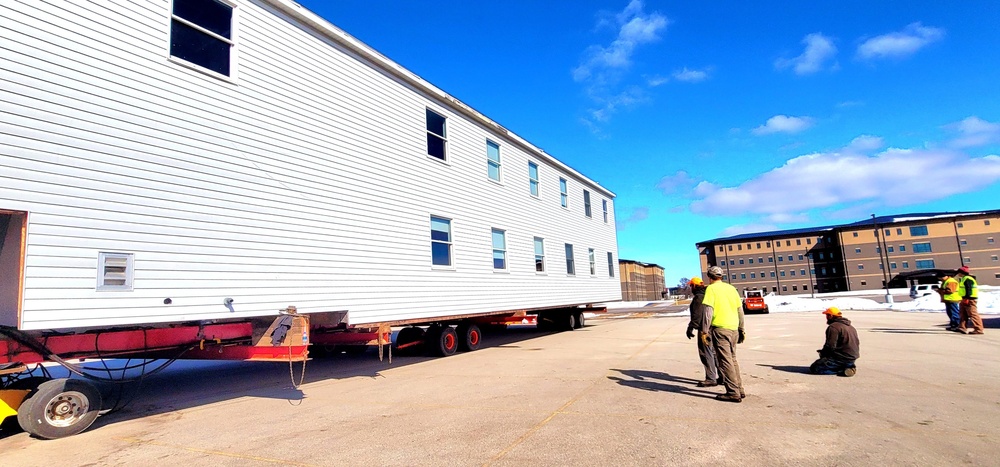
(304, 181)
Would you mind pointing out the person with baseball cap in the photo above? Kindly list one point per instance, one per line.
(706, 352)
(723, 310)
(967, 309)
(841, 348)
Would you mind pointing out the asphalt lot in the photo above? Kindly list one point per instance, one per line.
(618, 392)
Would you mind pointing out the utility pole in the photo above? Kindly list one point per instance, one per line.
(812, 285)
(885, 264)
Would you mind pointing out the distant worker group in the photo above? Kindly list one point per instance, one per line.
(960, 293)
(717, 317)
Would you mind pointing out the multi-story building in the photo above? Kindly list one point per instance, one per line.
(865, 255)
(641, 281)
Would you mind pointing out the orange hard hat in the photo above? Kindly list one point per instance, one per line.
(695, 281)
(832, 311)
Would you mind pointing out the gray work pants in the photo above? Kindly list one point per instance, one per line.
(707, 355)
(725, 350)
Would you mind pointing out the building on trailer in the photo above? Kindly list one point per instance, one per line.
(196, 160)
(896, 250)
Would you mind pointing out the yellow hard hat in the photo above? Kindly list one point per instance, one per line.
(695, 281)
(832, 311)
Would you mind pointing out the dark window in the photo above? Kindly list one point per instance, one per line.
(888, 232)
(855, 234)
(436, 136)
(922, 248)
(751, 260)
(902, 248)
(570, 263)
(741, 261)
(586, 203)
(899, 231)
(201, 32)
(918, 231)
(611, 267)
(925, 264)
(798, 241)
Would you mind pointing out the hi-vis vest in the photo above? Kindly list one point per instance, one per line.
(975, 287)
(726, 303)
(955, 296)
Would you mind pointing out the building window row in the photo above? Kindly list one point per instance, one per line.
(442, 250)
(437, 148)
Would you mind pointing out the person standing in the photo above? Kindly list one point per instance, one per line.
(841, 349)
(705, 351)
(723, 312)
(968, 310)
(951, 298)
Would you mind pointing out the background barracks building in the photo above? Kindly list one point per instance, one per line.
(854, 256)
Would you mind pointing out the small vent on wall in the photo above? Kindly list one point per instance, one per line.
(114, 271)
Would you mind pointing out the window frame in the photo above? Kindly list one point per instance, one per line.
(233, 42)
(450, 243)
(534, 184)
(587, 208)
(592, 257)
(611, 265)
(503, 249)
(570, 259)
(604, 206)
(430, 134)
(490, 163)
(539, 257)
(564, 192)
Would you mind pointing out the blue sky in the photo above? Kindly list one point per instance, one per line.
(710, 119)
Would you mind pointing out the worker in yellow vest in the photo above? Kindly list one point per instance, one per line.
(951, 298)
(968, 310)
(723, 320)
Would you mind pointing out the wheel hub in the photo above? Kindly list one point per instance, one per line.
(66, 408)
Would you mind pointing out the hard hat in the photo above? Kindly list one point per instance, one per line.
(715, 271)
(695, 281)
(832, 311)
(964, 270)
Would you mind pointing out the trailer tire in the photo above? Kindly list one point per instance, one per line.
(60, 408)
(407, 336)
(470, 337)
(568, 322)
(580, 320)
(442, 341)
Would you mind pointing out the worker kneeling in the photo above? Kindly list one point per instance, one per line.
(841, 349)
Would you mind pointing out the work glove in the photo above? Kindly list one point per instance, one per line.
(704, 339)
(743, 336)
(690, 333)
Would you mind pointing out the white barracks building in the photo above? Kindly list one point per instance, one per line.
(180, 160)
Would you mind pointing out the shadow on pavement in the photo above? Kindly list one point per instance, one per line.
(992, 323)
(788, 368)
(908, 331)
(192, 383)
(656, 381)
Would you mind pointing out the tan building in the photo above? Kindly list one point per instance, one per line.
(901, 250)
(640, 281)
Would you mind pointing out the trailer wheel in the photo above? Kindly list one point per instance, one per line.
(442, 340)
(470, 337)
(59, 408)
(568, 322)
(580, 320)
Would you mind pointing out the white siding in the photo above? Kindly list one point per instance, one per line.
(304, 181)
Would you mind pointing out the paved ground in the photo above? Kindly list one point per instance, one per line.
(618, 392)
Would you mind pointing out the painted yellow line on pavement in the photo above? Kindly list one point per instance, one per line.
(149, 442)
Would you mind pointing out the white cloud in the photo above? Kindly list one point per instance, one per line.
(974, 131)
(654, 81)
(609, 105)
(819, 49)
(837, 180)
(638, 214)
(865, 144)
(783, 124)
(679, 181)
(635, 28)
(901, 43)
(691, 76)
